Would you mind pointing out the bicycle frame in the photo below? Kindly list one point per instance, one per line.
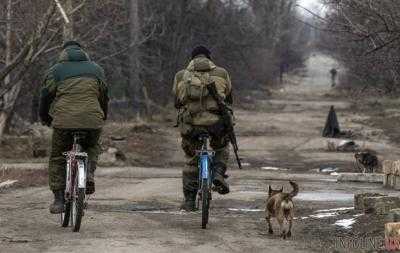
(205, 161)
(205, 158)
(75, 185)
(76, 163)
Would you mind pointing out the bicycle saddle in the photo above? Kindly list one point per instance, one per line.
(79, 133)
(203, 135)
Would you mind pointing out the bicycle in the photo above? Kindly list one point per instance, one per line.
(75, 187)
(205, 179)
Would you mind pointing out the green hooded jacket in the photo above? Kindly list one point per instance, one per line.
(75, 93)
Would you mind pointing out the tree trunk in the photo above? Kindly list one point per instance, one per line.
(7, 99)
(135, 90)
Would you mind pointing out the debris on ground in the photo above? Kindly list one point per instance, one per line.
(25, 177)
(332, 128)
(112, 157)
(328, 169)
(359, 199)
(343, 146)
(7, 184)
(32, 142)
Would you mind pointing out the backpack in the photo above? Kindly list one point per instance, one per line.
(198, 106)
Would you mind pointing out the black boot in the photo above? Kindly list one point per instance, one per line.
(219, 182)
(189, 203)
(58, 205)
(90, 185)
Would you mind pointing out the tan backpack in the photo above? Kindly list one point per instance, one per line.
(198, 106)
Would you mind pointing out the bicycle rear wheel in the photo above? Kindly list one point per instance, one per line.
(77, 206)
(205, 205)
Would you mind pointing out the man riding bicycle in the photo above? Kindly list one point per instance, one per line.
(74, 98)
(198, 112)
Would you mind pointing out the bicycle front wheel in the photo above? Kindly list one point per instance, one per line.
(205, 204)
(65, 216)
(77, 209)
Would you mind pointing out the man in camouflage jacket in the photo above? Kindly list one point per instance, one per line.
(207, 118)
(74, 97)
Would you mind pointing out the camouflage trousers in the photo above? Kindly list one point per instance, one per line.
(190, 143)
(61, 142)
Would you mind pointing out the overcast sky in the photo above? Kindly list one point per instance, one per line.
(314, 5)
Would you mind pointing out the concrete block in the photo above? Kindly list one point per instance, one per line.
(396, 183)
(387, 167)
(393, 215)
(380, 205)
(359, 199)
(391, 180)
(392, 230)
(361, 177)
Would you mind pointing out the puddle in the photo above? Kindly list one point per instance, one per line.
(253, 193)
(324, 215)
(325, 196)
(165, 212)
(144, 207)
(245, 210)
(345, 223)
(273, 169)
(132, 207)
(335, 209)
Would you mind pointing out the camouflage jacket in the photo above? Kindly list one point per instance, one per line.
(74, 95)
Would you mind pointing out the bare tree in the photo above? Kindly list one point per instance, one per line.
(365, 35)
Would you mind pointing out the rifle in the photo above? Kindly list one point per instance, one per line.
(227, 119)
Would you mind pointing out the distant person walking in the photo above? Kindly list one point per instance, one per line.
(333, 73)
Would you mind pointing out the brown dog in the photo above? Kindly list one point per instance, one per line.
(280, 205)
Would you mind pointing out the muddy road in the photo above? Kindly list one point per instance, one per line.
(136, 209)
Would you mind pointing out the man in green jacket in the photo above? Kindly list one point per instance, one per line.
(74, 97)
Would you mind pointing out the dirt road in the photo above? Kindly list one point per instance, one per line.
(137, 209)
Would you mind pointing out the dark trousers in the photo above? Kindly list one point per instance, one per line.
(61, 142)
